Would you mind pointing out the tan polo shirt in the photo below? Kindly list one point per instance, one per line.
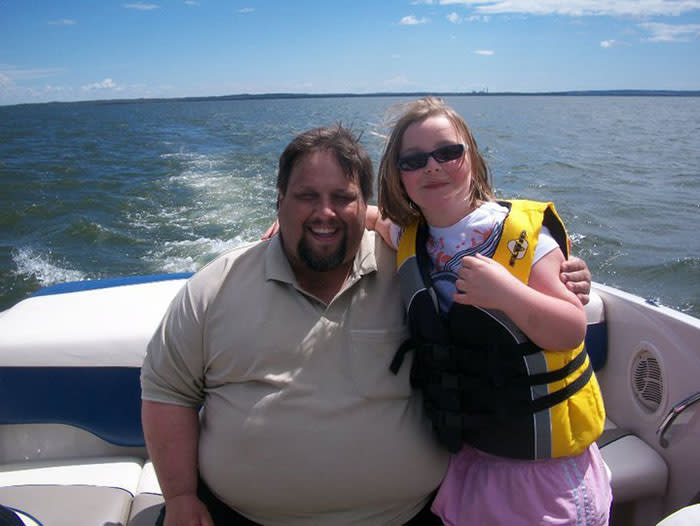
(302, 421)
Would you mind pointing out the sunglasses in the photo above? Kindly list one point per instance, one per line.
(415, 161)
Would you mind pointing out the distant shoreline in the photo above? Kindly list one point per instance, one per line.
(272, 96)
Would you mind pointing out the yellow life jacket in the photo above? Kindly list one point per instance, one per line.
(483, 381)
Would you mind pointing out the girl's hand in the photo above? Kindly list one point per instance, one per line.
(484, 282)
(271, 231)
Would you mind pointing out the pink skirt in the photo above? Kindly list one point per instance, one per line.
(481, 489)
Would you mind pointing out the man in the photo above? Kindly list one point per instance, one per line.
(285, 346)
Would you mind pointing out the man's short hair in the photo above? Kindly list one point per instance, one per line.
(346, 147)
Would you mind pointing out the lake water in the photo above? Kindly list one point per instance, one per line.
(103, 190)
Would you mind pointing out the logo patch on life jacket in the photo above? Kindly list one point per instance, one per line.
(517, 247)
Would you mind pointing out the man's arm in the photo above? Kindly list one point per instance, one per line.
(172, 436)
(575, 275)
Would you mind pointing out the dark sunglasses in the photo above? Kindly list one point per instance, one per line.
(443, 154)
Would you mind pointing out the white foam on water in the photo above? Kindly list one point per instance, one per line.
(32, 264)
(209, 203)
(190, 255)
(576, 237)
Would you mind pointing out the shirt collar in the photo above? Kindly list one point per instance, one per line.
(277, 265)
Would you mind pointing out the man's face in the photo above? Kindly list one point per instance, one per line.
(321, 215)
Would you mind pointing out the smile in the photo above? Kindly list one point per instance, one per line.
(434, 184)
(323, 232)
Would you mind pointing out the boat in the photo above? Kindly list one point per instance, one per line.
(71, 443)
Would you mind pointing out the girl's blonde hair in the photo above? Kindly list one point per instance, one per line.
(393, 201)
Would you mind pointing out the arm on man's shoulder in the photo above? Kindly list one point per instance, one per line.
(375, 221)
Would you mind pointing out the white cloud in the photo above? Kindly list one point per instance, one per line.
(484, 52)
(456, 18)
(107, 83)
(400, 81)
(191, 2)
(612, 43)
(55, 89)
(140, 6)
(671, 33)
(422, 2)
(411, 20)
(581, 7)
(16, 74)
(245, 10)
(62, 22)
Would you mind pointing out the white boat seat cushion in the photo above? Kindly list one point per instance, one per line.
(79, 492)
(69, 505)
(148, 499)
(145, 509)
(148, 482)
(638, 471)
(688, 516)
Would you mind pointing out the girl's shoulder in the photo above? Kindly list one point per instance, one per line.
(492, 207)
(489, 212)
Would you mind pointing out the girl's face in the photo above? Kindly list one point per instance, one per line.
(441, 190)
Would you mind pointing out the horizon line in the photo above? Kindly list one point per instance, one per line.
(291, 95)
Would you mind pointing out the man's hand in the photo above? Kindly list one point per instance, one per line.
(186, 510)
(575, 275)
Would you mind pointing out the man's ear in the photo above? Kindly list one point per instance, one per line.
(279, 197)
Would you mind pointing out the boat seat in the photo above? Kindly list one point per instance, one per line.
(79, 492)
(638, 471)
(688, 516)
(148, 499)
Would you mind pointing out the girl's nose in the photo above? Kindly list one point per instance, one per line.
(432, 164)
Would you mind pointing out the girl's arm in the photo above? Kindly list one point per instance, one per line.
(374, 221)
(546, 311)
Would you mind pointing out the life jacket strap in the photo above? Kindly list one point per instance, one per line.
(399, 355)
(562, 394)
(499, 365)
(557, 374)
(447, 409)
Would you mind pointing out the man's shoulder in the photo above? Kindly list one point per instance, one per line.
(232, 254)
(212, 275)
(384, 255)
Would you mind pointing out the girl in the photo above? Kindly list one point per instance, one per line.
(497, 337)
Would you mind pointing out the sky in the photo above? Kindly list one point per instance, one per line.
(68, 50)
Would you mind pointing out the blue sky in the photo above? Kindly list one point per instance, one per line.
(84, 50)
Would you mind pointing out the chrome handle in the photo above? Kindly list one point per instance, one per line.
(672, 415)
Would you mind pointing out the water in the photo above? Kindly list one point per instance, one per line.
(103, 190)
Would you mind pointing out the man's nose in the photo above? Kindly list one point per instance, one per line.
(325, 207)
